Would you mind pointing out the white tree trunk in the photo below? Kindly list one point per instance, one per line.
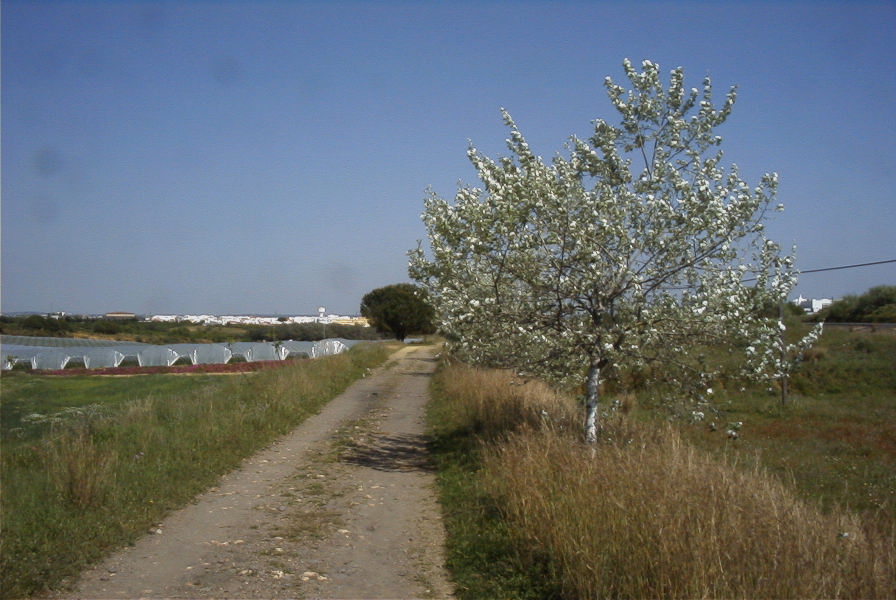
(592, 392)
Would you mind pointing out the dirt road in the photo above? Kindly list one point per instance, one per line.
(343, 507)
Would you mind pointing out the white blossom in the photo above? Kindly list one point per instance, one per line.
(609, 256)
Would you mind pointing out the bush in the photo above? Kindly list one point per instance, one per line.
(878, 304)
(39, 324)
(107, 327)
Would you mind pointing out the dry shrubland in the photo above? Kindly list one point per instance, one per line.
(645, 514)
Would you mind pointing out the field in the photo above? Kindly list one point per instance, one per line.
(90, 463)
(801, 504)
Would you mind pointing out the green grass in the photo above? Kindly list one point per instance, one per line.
(111, 456)
(835, 438)
(25, 394)
(481, 550)
(850, 363)
(837, 449)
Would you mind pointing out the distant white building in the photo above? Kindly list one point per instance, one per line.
(812, 305)
(164, 318)
(255, 320)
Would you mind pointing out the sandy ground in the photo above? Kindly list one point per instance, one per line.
(343, 507)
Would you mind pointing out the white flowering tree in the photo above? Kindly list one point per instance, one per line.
(628, 251)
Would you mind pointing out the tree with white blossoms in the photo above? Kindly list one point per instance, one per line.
(628, 251)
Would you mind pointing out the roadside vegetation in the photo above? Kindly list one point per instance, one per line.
(90, 463)
(756, 500)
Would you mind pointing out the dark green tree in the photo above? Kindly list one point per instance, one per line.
(399, 309)
(878, 304)
(39, 324)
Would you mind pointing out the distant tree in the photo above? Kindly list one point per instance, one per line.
(876, 305)
(108, 326)
(627, 252)
(399, 309)
(37, 323)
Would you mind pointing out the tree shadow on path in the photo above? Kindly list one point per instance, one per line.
(400, 452)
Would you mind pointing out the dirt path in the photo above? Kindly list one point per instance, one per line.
(343, 507)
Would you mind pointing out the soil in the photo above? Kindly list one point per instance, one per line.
(342, 507)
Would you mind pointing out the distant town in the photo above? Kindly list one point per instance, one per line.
(201, 319)
(810, 305)
(256, 320)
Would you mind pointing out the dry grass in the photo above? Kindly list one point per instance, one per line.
(655, 518)
(491, 402)
(644, 514)
(80, 468)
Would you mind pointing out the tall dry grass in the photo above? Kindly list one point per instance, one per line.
(79, 467)
(491, 402)
(647, 515)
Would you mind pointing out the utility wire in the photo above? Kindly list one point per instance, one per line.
(868, 264)
(879, 262)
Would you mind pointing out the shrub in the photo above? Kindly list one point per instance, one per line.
(37, 323)
(878, 304)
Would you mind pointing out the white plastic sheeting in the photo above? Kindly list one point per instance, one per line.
(296, 349)
(98, 358)
(14, 354)
(157, 356)
(56, 354)
(39, 357)
(203, 354)
(255, 351)
(329, 347)
(52, 359)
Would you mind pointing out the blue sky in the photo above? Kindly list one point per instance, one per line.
(272, 157)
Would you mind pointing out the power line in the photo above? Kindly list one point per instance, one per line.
(868, 264)
(878, 262)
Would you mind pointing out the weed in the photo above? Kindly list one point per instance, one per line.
(311, 523)
(80, 468)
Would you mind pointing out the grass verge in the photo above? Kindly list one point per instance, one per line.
(91, 463)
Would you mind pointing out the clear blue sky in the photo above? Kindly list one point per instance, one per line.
(271, 157)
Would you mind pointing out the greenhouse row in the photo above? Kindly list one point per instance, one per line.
(40, 353)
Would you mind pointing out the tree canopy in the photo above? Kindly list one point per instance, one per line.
(399, 309)
(625, 251)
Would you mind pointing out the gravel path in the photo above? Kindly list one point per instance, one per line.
(342, 507)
